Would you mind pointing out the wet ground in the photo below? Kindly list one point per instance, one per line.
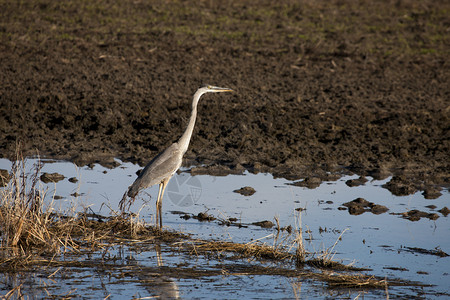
(320, 85)
(324, 89)
(383, 243)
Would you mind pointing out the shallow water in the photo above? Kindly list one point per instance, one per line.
(377, 242)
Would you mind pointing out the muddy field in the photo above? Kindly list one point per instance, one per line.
(320, 85)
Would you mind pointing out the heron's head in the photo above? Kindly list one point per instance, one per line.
(208, 89)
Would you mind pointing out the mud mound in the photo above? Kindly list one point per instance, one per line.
(320, 85)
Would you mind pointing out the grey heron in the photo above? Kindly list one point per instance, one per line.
(161, 168)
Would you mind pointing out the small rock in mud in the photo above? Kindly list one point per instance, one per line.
(361, 205)
(4, 177)
(246, 191)
(356, 182)
(203, 216)
(431, 206)
(400, 186)
(73, 179)
(264, 224)
(444, 211)
(416, 215)
(51, 177)
(432, 193)
(309, 182)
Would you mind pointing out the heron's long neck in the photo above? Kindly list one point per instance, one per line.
(186, 137)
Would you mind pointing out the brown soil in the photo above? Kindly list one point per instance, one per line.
(361, 205)
(320, 85)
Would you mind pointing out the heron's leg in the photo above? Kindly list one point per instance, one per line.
(164, 185)
(158, 203)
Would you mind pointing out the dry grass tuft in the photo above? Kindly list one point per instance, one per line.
(24, 225)
(325, 260)
(249, 250)
(337, 275)
(352, 280)
(28, 229)
(300, 252)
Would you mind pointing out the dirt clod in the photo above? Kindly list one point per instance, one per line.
(73, 179)
(4, 177)
(309, 182)
(361, 205)
(437, 252)
(444, 211)
(400, 186)
(51, 177)
(416, 215)
(203, 216)
(264, 224)
(432, 193)
(378, 209)
(246, 191)
(356, 182)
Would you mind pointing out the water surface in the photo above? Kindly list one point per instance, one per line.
(381, 242)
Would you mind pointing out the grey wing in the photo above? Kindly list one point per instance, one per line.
(164, 165)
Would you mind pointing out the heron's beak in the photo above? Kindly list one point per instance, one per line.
(220, 90)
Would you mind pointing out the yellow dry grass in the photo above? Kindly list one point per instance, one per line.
(29, 229)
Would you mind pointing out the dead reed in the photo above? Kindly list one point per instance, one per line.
(325, 259)
(249, 250)
(343, 280)
(30, 228)
(335, 274)
(24, 223)
(300, 252)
